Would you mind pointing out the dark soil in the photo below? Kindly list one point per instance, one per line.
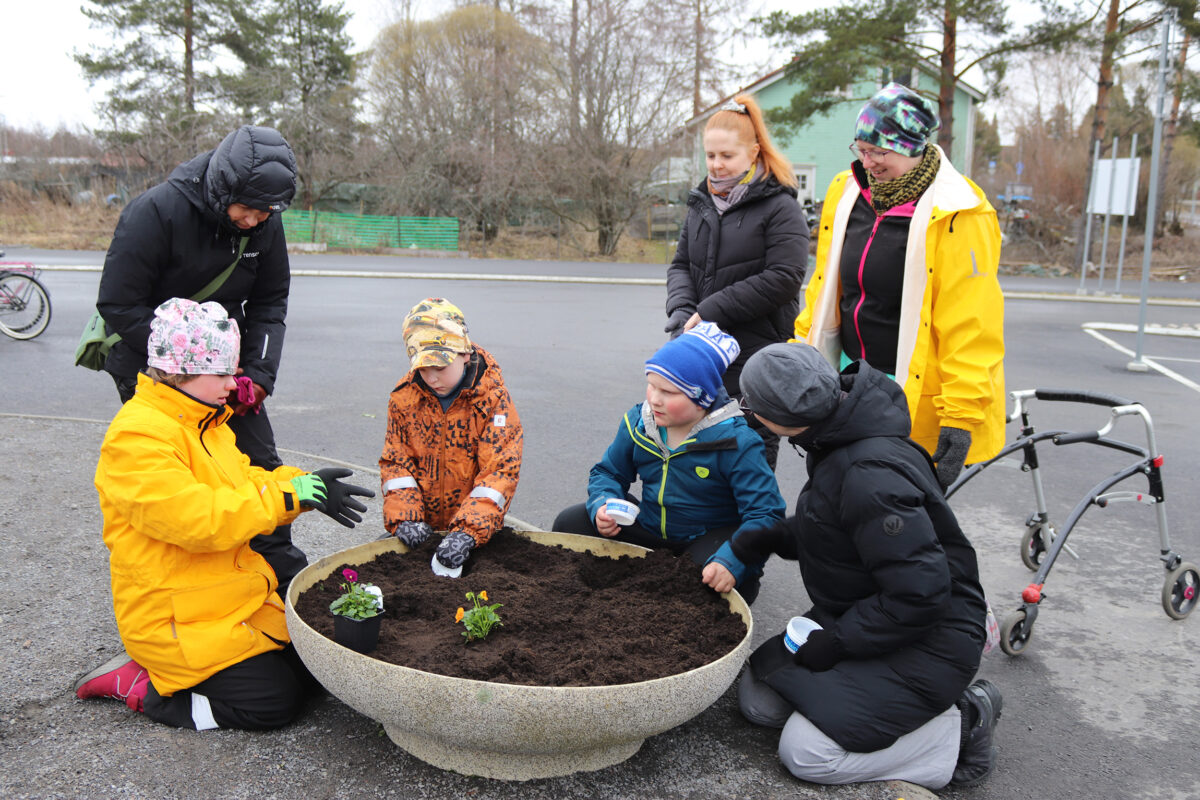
(569, 618)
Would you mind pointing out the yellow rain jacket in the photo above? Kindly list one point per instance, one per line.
(181, 504)
(950, 353)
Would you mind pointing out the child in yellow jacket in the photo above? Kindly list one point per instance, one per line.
(206, 644)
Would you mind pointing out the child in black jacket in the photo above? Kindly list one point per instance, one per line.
(882, 689)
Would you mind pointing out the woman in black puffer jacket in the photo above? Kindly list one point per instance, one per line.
(743, 250)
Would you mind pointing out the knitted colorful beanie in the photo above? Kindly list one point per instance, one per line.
(190, 338)
(897, 119)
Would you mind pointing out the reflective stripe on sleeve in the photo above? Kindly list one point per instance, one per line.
(395, 484)
(488, 494)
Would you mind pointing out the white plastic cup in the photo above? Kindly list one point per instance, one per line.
(798, 629)
(374, 590)
(621, 512)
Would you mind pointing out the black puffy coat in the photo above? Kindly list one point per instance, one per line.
(742, 269)
(176, 237)
(891, 575)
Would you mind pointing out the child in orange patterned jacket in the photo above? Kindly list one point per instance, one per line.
(452, 454)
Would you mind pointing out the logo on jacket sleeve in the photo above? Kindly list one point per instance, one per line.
(499, 420)
(892, 525)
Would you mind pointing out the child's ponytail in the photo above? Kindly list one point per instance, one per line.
(745, 118)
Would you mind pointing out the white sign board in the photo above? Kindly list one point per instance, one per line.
(1115, 184)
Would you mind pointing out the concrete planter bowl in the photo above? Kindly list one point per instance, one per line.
(501, 730)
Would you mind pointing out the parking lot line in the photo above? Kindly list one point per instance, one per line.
(1154, 365)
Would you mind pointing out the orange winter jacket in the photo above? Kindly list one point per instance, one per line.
(181, 504)
(455, 469)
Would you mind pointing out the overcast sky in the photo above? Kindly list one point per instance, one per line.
(40, 83)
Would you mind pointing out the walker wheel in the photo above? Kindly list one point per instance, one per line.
(1015, 633)
(1181, 590)
(1033, 546)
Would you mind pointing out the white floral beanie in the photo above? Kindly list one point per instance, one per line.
(190, 338)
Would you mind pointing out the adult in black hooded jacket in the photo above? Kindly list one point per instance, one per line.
(893, 580)
(175, 238)
(743, 250)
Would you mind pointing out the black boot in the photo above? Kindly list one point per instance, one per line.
(980, 706)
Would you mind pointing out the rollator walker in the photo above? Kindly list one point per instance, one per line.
(1043, 541)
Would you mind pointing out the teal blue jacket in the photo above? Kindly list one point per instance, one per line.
(717, 477)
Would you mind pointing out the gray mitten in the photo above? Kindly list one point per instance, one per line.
(951, 454)
(413, 533)
(455, 548)
(676, 321)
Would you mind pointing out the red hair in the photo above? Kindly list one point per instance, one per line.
(750, 129)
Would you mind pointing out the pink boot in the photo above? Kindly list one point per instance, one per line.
(120, 678)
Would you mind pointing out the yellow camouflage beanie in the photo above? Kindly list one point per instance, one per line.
(435, 332)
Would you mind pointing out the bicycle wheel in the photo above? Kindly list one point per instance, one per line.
(24, 305)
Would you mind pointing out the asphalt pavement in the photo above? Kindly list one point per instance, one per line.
(1102, 703)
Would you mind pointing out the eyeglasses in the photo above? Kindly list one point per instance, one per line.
(744, 405)
(874, 155)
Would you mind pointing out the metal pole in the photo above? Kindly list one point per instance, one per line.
(1112, 184)
(1087, 213)
(1130, 193)
(1138, 365)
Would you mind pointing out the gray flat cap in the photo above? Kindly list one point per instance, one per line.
(790, 384)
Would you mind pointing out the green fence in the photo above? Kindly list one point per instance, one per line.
(368, 232)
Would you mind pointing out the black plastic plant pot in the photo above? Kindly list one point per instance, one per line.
(360, 635)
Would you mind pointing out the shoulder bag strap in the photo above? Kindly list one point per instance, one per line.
(218, 281)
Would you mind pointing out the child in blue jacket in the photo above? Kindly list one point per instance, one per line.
(703, 470)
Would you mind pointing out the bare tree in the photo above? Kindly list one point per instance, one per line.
(621, 87)
(460, 103)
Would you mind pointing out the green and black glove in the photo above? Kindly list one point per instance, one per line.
(310, 491)
(339, 497)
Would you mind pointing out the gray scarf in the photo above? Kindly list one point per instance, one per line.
(727, 192)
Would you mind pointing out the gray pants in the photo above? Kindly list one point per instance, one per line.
(925, 756)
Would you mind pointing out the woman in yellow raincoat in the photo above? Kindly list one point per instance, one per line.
(905, 279)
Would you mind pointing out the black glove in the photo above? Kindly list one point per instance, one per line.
(676, 321)
(951, 454)
(455, 548)
(413, 532)
(339, 497)
(819, 652)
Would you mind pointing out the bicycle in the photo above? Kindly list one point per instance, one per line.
(24, 301)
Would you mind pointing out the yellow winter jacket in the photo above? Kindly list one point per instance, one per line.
(950, 354)
(181, 504)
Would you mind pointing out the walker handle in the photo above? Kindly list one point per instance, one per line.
(1072, 438)
(1078, 396)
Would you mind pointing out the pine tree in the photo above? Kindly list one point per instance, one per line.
(299, 78)
(838, 47)
(161, 71)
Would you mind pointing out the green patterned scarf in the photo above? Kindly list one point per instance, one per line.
(909, 186)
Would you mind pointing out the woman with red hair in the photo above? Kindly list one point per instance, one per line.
(743, 250)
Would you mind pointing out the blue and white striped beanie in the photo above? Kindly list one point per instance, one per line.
(696, 361)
